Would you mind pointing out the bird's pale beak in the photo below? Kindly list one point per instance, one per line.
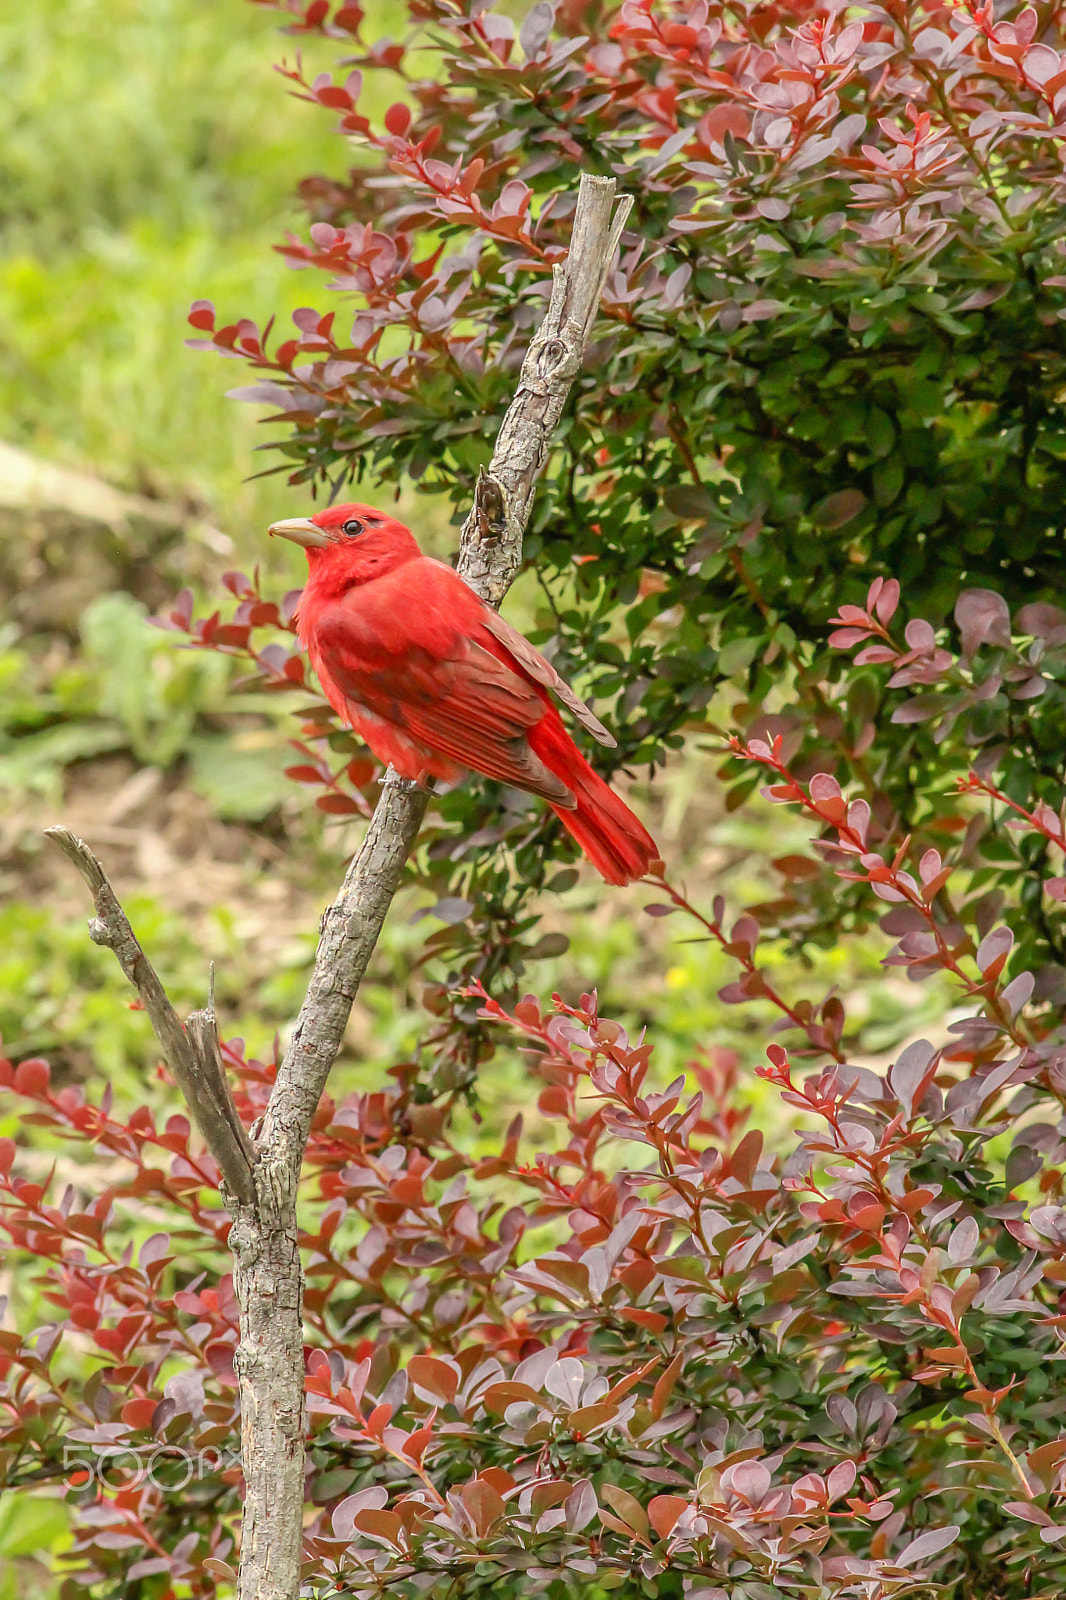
(301, 530)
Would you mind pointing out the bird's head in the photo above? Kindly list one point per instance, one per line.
(349, 544)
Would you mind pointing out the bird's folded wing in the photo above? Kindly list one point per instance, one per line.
(465, 704)
(531, 661)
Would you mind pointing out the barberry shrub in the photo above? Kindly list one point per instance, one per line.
(636, 1347)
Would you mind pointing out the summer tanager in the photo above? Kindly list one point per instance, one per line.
(436, 682)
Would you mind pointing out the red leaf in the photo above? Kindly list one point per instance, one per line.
(664, 1510)
(138, 1413)
(338, 805)
(32, 1076)
(377, 1420)
(417, 1442)
(333, 95)
(398, 119)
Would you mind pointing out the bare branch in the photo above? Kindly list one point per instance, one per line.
(262, 1185)
(349, 932)
(490, 545)
(191, 1053)
(266, 1261)
(489, 558)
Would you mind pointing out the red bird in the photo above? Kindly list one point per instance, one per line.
(436, 682)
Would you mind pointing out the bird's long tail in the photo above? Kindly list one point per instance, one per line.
(614, 840)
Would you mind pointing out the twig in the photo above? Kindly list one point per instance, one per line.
(192, 1053)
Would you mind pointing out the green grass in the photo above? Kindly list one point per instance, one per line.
(148, 157)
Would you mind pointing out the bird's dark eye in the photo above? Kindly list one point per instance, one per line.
(352, 527)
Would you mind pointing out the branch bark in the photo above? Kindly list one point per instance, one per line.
(261, 1192)
(192, 1053)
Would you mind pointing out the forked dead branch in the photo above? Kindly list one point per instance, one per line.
(260, 1180)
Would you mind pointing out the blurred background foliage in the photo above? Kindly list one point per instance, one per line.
(144, 149)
